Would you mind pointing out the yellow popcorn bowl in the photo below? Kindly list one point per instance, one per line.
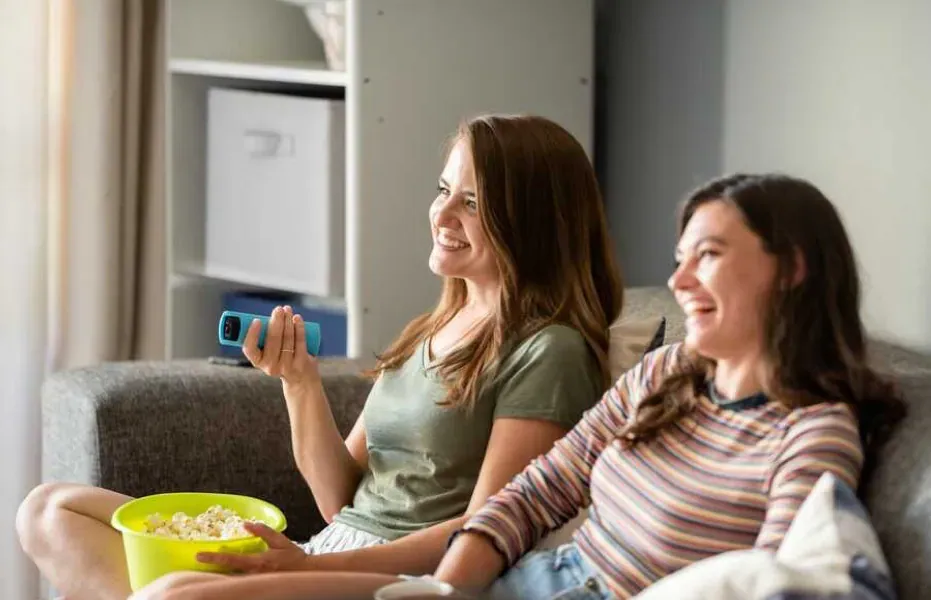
(149, 556)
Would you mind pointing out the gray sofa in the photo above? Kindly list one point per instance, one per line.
(146, 427)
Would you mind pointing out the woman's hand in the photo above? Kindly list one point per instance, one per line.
(282, 554)
(284, 353)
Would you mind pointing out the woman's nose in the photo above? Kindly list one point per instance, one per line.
(682, 277)
(443, 214)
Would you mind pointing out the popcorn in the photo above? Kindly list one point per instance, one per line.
(217, 523)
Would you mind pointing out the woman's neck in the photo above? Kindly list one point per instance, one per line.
(481, 298)
(737, 379)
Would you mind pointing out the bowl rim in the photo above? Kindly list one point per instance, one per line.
(116, 519)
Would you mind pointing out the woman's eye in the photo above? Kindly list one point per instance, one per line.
(707, 253)
(471, 204)
(442, 190)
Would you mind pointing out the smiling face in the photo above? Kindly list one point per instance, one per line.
(460, 247)
(723, 283)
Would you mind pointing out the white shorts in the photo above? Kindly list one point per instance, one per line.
(337, 537)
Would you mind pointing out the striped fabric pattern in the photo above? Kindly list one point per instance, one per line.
(729, 476)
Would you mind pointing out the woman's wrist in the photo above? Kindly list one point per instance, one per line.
(335, 561)
(301, 392)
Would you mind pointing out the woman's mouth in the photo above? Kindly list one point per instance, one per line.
(448, 243)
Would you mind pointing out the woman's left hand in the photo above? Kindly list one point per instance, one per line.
(282, 554)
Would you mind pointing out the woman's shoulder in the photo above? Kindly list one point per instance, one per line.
(667, 355)
(554, 345)
(555, 336)
(822, 415)
(660, 363)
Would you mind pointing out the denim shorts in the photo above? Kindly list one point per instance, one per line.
(558, 574)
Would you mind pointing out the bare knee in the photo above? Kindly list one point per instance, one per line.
(31, 513)
(37, 515)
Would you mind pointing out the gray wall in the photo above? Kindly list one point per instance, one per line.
(658, 120)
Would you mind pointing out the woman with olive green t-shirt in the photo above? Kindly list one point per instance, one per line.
(425, 458)
(469, 393)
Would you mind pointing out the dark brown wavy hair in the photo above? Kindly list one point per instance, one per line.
(815, 347)
(542, 211)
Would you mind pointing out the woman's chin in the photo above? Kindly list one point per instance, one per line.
(442, 269)
(697, 342)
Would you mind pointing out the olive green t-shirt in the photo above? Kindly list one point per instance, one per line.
(424, 459)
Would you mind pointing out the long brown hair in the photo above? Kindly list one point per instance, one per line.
(540, 207)
(815, 347)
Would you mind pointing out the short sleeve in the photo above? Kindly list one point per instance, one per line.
(552, 376)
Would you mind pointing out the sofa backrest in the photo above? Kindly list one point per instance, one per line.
(644, 302)
(898, 493)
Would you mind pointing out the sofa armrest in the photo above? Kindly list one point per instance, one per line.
(146, 427)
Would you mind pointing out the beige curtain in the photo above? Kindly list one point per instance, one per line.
(23, 252)
(107, 261)
(82, 244)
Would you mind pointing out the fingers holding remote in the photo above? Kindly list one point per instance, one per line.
(287, 343)
(274, 337)
(284, 352)
(300, 337)
(303, 370)
(250, 344)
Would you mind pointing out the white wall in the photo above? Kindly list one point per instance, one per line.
(839, 91)
(22, 262)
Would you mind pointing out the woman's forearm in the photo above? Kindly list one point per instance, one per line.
(471, 564)
(415, 554)
(319, 450)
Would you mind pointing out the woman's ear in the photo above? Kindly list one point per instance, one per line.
(797, 273)
(800, 269)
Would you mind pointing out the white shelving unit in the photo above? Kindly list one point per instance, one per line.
(415, 68)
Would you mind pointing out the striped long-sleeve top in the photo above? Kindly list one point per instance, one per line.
(729, 476)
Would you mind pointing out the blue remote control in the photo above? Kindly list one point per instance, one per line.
(234, 325)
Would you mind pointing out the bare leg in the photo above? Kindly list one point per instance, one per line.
(173, 581)
(269, 586)
(65, 529)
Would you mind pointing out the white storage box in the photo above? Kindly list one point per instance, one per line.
(275, 191)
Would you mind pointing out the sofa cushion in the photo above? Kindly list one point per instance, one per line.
(646, 302)
(147, 427)
(830, 552)
(630, 339)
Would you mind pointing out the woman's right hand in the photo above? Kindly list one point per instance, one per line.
(284, 353)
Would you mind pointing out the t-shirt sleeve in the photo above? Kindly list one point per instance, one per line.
(552, 376)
